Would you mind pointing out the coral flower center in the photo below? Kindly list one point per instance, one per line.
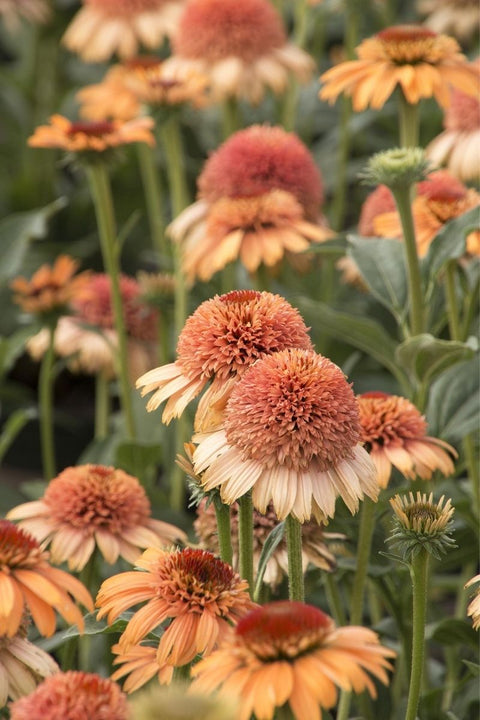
(409, 44)
(17, 548)
(389, 419)
(92, 129)
(93, 496)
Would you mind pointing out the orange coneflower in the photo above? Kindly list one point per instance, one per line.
(51, 288)
(289, 652)
(197, 592)
(33, 11)
(460, 18)
(91, 506)
(291, 432)
(223, 337)
(241, 47)
(88, 338)
(27, 580)
(394, 433)
(91, 137)
(104, 27)
(71, 695)
(473, 609)
(141, 664)
(413, 57)
(260, 195)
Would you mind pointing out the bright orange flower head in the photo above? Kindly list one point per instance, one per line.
(27, 580)
(197, 592)
(241, 46)
(51, 288)
(394, 433)
(422, 63)
(289, 652)
(291, 432)
(91, 506)
(104, 27)
(71, 695)
(223, 337)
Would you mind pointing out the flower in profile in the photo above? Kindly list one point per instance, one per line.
(473, 609)
(90, 137)
(242, 47)
(51, 289)
(419, 523)
(289, 652)
(315, 541)
(394, 433)
(92, 506)
(109, 99)
(104, 27)
(197, 592)
(458, 146)
(260, 195)
(291, 433)
(422, 63)
(27, 580)
(173, 703)
(87, 338)
(22, 665)
(140, 664)
(73, 694)
(460, 18)
(223, 337)
(33, 11)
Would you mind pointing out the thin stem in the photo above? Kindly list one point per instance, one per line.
(153, 197)
(471, 459)
(367, 524)
(102, 198)
(224, 532)
(402, 200)
(296, 590)
(452, 304)
(334, 599)
(245, 538)
(300, 22)
(409, 125)
(419, 574)
(182, 672)
(230, 116)
(45, 401)
(102, 406)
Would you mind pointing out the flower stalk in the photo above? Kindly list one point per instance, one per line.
(153, 198)
(408, 120)
(222, 512)
(296, 589)
(245, 539)
(45, 397)
(419, 575)
(102, 406)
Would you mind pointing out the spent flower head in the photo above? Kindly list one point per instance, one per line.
(422, 524)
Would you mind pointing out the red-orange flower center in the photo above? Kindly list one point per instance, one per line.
(116, 8)
(18, 549)
(405, 33)
(93, 129)
(90, 497)
(389, 420)
(291, 407)
(216, 29)
(409, 44)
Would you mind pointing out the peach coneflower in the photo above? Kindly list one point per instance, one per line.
(140, 664)
(27, 580)
(260, 195)
(91, 506)
(394, 433)
(291, 432)
(91, 137)
(289, 652)
(460, 18)
(199, 593)
(73, 694)
(223, 337)
(104, 27)
(241, 46)
(413, 57)
(473, 609)
(458, 146)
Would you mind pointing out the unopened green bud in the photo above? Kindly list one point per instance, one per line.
(397, 168)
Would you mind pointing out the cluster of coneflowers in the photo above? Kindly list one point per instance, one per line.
(280, 439)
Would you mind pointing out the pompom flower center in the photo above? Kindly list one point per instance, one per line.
(18, 549)
(92, 129)
(291, 407)
(114, 8)
(388, 420)
(407, 43)
(94, 496)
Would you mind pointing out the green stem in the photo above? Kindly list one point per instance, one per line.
(419, 574)
(102, 198)
(45, 401)
(153, 197)
(452, 304)
(182, 672)
(409, 124)
(224, 532)
(102, 406)
(245, 538)
(300, 22)
(471, 459)
(402, 200)
(334, 599)
(296, 590)
(230, 116)
(367, 523)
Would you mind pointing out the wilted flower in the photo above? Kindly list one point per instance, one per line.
(394, 433)
(421, 62)
(260, 196)
(421, 524)
(173, 703)
(291, 433)
(289, 652)
(91, 506)
(460, 18)
(223, 337)
(241, 47)
(27, 580)
(473, 609)
(70, 695)
(104, 27)
(197, 592)
(33, 11)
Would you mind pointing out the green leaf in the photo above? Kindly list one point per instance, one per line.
(16, 233)
(136, 458)
(271, 543)
(424, 356)
(92, 627)
(452, 410)
(13, 427)
(335, 246)
(12, 347)
(381, 262)
(449, 243)
(451, 631)
(473, 667)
